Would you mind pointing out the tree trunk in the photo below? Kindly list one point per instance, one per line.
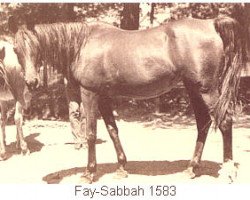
(130, 16)
(152, 13)
(70, 15)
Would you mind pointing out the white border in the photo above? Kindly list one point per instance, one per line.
(67, 192)
(125, 1)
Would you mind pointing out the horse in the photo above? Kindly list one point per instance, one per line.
(106, 62)
(12, 87)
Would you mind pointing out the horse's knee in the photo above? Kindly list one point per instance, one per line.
(91, 137)
(226, 124)
(113, 131)
(18, 117)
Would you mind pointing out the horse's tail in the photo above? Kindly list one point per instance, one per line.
(229, 74)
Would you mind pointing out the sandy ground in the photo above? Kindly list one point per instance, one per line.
(155, 155)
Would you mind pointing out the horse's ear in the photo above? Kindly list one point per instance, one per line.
(2, 53)
(12, 24)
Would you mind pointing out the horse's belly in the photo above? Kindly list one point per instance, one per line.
(145, 91)
(5, 95)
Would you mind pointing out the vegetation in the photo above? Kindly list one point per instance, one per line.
(49, 102)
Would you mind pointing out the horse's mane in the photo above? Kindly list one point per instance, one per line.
(58, 43)
(4, 81)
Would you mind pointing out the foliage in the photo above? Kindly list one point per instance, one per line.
(174, 102)
(57, 12)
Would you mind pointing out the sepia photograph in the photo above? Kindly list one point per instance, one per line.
(125, 93)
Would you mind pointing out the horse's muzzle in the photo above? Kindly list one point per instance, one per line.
(32, 84)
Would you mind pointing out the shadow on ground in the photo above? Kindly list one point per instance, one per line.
(149, 168)
(33, 145)
(98, 141)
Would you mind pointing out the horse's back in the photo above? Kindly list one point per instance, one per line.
(185, 38)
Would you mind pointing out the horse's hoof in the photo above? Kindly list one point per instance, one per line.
(80, 146)
(3, 156)
(120, 174)
(228, 172)
(25, 152)
(189, 173)
(87, 178)
(77, 146)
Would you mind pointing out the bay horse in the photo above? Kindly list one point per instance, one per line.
(106, 62)
(12, 87)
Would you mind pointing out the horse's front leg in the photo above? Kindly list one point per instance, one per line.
(19, 126)
(108, 117)
(90, 103)
(3, 118)
(228, 170)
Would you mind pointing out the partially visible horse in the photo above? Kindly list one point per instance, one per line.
(12, 86)
(105, 61)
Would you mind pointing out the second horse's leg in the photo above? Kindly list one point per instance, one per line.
(107, 114)
(19, 123)
(3, 118)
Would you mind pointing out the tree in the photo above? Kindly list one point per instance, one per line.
(130, 16)
(152, 12)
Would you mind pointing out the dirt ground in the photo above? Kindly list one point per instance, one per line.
(156, 154)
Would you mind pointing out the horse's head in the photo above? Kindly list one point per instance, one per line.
(27, 49)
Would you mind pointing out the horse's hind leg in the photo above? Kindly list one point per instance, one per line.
(228, 170)
(108, 117)
(19, 123)
(90, 104)
(3, 118)
(203, 121)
